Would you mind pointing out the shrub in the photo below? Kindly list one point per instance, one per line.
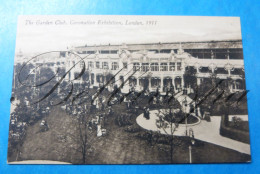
(133, 129)
(232, 133)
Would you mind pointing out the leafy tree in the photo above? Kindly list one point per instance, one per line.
(190, 77)
(83, 133)
(168, 121)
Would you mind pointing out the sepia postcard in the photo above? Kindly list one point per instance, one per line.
(128, 90)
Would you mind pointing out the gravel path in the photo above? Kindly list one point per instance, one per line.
(205, 131)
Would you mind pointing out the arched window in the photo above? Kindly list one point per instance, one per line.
(178, 66)
(114, 65)
(125, 65)
(172, 66)
(132, 81)
(204, 70)
(164, 67)
(154, 67)
(136, 67)
(221, 71)
(97, 65)
(90, 64)
(155, 82)
(105, 65)
(145, 67)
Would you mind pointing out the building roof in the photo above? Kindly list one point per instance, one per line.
(171, 45)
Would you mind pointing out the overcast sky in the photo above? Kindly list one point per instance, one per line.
(38, 37)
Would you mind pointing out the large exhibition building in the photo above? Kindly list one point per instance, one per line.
(159, 66)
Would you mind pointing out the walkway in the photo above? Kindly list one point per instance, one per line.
(205, 131)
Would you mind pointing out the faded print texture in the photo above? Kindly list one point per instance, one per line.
(128, 90)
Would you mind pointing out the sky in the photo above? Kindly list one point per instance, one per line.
(38, 34)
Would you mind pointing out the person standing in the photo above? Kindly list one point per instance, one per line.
(147, 113)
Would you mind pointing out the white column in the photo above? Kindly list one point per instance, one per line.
(182, 83)
(161, 90)
(89, 77)
(182, 66)
(137, 84)
(199, 113)
(150, 83)
(95, 79)
(174, 84)
(231, 87)
(198, 81)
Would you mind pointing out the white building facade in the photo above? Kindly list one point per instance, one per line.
(158, 66)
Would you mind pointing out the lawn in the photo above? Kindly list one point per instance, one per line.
(119, 146)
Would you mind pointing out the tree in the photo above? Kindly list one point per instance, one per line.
(82, 128)
(190, 77)
(210, 85)
(82, 133)
(168, 120)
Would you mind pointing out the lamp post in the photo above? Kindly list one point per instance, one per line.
(192, 142)
(184, 103)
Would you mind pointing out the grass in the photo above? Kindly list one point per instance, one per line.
(117, 147)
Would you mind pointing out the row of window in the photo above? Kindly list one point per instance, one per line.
(235, 71)
(103, 65)
(100, 52)
(216, 53)
(172, 66)
(230, 50)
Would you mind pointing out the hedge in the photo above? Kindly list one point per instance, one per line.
(232, 133)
